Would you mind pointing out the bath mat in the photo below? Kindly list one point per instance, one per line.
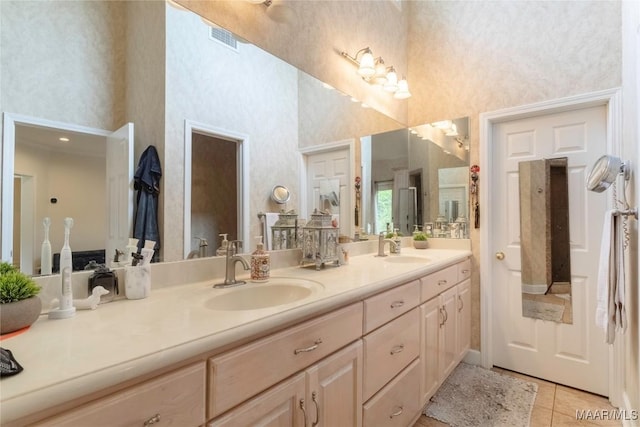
(473, 396)
(542, 310)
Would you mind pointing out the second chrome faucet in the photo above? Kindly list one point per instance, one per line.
(382, 241)
(230, 266)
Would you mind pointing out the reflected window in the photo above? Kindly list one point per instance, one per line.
(383, 207)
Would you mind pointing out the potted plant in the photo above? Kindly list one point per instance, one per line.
(420, 240)
(19, 304)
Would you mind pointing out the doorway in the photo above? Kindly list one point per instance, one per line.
(216, 179)
(579, 128)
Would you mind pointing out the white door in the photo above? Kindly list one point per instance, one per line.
(572, 354)
(119, 189)
(333, 166)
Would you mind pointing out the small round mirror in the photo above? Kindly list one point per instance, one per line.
(604, 172)
(280, 194)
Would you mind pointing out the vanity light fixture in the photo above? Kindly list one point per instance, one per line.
(374, 71)
(63, 139)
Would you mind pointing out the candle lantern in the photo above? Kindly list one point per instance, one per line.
(463, 227)
(440, 226)
(319, 240)
(284, 233)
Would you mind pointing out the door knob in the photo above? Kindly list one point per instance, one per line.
(500, 255)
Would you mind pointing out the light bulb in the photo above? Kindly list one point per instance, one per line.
(380, 77)
(392, 80)
(367, 67)
(403, 90)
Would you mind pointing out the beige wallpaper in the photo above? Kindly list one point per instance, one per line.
(468, 57)
(310, 35)
(248, 92)
(64, 61)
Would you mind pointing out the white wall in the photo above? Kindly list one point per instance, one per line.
(631, 137)
(81, 196)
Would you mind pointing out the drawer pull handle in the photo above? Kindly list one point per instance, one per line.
(465, 271)
(152, 420)
(308, 349)
(446, 315)
(397, 349)
(304, 411)
(398, 412)
(397, 304)
(442, 282)
(442, 316)
(461, 303)
(314, 398)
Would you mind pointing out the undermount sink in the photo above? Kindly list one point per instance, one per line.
(254, 296)
(399, 259)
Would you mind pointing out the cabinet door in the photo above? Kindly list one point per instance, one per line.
(176, 398)
(448, 333)
(464, 318)
(430, 319)
(281, 406)
(334, 389)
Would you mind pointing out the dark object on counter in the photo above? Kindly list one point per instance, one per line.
(107, 279)
(135, 258)
(8, 364)
(80, 259)
(147, 184)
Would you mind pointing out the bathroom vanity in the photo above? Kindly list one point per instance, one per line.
(372, 342)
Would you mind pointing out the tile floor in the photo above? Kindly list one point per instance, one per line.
(555, 406)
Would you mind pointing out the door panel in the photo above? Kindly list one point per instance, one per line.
(331, 165)
(572, 354)
(119, 191)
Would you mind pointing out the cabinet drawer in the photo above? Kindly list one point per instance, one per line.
(388, 305)
(389, 350)
(176, 399)
(239, 374)
(398, 403)
(439, 281)
(464, 270)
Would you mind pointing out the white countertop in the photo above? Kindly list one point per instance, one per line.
(119, 341)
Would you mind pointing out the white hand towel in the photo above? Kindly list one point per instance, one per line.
(619, 298)
(602, 308)
(270, 219)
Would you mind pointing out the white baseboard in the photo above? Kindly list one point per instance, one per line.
(473, 357)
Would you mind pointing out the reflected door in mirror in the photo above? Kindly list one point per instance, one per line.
(544, 239)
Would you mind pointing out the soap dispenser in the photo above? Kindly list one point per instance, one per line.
(260, 263)
(222, 250)
(397, 240)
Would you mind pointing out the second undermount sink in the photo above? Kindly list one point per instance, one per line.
(254, 296)
(400, 259)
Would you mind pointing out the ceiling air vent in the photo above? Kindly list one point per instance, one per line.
(223, 36)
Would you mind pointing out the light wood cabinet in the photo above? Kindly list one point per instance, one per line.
(282, 406)
(464, 318)
(445, 332)
(374, 362)
(326, 394)
(176, 398)
(430, 320)
(389, 349)
(334, 389)
(397, 404)
(239, 374)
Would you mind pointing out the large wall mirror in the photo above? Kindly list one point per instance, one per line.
(241, 89)
(544, 240)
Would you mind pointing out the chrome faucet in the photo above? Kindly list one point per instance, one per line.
(382, 241)
(230, 270)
